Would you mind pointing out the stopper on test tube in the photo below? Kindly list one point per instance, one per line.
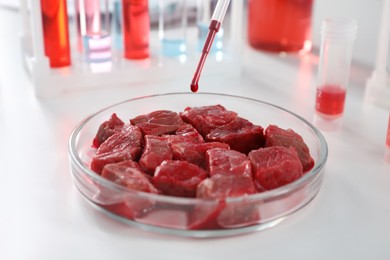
(338, 35)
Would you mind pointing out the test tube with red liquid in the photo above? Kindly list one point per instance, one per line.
(338, 37)
(56, 32)
(136, 28)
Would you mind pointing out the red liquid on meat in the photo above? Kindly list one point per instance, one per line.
(213, 29)
(55, 32)
(136, 28)
(330, 100)
(280, 25)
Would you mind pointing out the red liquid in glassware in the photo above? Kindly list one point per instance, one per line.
(280, 25)
(55, 32)
(330, 100)
(136, 28)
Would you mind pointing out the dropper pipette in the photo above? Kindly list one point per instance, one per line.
(215, 25)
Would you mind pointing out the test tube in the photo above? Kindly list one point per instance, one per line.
(117, 25)
(56, 32)
(93, 26)
(338, 35)
(136, 27)
(172, 27)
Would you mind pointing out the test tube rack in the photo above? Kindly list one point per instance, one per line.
(378, 85)
(49, 82)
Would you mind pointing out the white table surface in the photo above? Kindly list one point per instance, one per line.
(43, 216)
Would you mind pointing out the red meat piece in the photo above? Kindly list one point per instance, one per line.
(107, 129)
(178, 178)
(231, 214)
(207, 118)
(240, 134)
(221, 186)
(158, 122)
(194, 152)
(130, 175)
(125, 145)
(227, 162)
(185, 133)
(156, 150)
(276, 136)
(275, 166)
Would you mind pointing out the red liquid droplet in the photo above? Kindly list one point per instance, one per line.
(330, 100)
(194, 87)
(213, 29)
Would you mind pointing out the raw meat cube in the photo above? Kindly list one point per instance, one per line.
(227, 162)
(107, 129)
(130, 175)
(240, 134)
(178, 178)
(185, 133)
(275, 166)
(194, 152)
(121, 146)
(235, 214)
(158, 122)
(207, 118)
(276, 136)
(162, 117)
(157, 129)
(223, 186)
(156, 150)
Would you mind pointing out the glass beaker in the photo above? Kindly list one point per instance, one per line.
(280, 25)
(173, 26)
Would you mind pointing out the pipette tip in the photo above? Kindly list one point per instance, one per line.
(194, 87)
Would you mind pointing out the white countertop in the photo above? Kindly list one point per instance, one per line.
(43, 216)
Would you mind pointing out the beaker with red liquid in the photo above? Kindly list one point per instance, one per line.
(337, 40)
(56, 32)
(280, 25)
(136, 28)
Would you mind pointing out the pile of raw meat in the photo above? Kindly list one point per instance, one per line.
(202, 152)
